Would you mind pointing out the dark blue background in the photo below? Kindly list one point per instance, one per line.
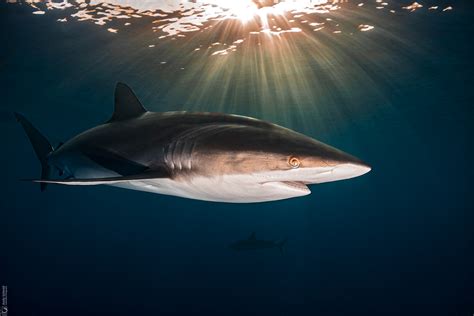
(398, 241)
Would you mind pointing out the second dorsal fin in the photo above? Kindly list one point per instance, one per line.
(127, 105)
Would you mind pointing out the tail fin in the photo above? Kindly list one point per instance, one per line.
(281, 244)
(40, 144)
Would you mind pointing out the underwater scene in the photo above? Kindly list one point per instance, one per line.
(237, 157)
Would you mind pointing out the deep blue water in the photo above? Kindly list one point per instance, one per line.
(397, 241)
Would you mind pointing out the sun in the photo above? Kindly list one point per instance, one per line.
(245, 10)
(248, 10)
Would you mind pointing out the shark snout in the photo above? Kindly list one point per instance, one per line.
(347, 171)
(330, 164)
(345, 163)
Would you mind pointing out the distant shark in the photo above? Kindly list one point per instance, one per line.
(203, 156)
(252, 243)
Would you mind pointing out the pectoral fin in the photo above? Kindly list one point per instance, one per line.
(113, 161)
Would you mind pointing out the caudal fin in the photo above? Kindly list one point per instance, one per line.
(40, 144)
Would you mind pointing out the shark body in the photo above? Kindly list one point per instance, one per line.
(204, 156)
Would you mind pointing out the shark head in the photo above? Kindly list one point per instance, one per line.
(267, 162)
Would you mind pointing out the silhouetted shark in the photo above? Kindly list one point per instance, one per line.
(252, 243)
(204, 156)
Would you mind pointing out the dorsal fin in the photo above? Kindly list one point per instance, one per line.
(252, 236)
(127, 105)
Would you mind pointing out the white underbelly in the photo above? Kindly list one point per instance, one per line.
(234, 189)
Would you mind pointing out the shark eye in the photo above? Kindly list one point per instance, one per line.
(294, 162)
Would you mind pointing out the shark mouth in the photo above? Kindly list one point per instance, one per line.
(295, 186)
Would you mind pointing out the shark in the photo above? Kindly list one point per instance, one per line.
(252, 243)
(198, 155)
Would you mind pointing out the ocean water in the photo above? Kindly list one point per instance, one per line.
(397, 241)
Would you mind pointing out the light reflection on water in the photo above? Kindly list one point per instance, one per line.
(171, 18)
(290, 63)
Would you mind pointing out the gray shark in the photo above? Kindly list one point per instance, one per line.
(252, 243)
(204, 156)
